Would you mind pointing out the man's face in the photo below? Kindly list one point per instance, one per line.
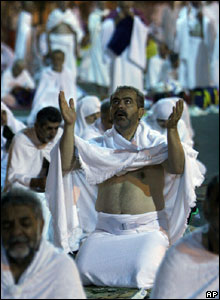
(46, 132)
(57, 61)
(125, 113)
(21, 231)
(126, 6)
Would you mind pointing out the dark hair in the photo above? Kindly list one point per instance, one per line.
(105, 106)
(21, 196)
(49, 113)
(57, 51)
(140, 96)
(212, 193)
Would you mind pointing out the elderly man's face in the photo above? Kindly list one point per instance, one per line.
(21, 231)
(124, 110)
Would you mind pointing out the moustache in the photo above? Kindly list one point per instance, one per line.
(120, 113)
(18, 240)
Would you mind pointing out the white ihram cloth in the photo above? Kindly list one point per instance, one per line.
(15, 125)
(158, 70)
(8, 81)
(7, 56)
(65, 42)
(128, 68)
(86, 106)
(113, 154)
(188, 270)
(98, 71)
(23, 35)
(124, 251)
(162, 109)
(51, 83)
(195, 53)
(25, 161)
(72, 203)
(51, 275)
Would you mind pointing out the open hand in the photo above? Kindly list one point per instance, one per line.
(68, 112)
(175, 115)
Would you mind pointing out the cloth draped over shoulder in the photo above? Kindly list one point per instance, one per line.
(15, 125)
(111, 154)
(51, 83)
(195, 52)
(57, 17)
(51, 275)
(25, 148)
(116, 156)
(132, 59)
(188, 266)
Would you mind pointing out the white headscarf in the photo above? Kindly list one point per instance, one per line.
(86, 106)
(162, 110)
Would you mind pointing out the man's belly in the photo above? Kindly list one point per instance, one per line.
(127, 198)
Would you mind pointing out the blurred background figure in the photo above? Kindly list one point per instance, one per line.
(87, 112)
(17, 85)
(64, 33)
(53, 79)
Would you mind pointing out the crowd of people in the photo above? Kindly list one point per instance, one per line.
(97, 189)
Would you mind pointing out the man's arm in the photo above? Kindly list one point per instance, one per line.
(176, 159)
(67, 139)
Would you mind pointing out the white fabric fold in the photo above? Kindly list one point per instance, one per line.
(110, 155)
(137, 52)
(57, 17)
(190, 267)
(51, 275)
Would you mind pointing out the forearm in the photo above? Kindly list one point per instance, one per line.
(67, 147)
(176, 156)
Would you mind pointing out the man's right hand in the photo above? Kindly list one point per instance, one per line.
(68, 112)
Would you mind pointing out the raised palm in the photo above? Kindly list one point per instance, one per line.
(175, 115)
(68, 111)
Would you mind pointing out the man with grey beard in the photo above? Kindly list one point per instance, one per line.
(31, 267)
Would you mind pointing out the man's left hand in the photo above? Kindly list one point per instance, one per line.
(175, 115)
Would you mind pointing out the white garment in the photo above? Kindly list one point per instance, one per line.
(98, 71)
(187, 271)
(124, 251)
(25, 159)
(86, 106)
(8, 81)
(26, 156)
(116, 156)
(15, 125)
(65, 42)
(128, 68)
(7, 56)
(23, 34)
(72, 203)
(162, 109)
(51, 275)
(158, 70)
(194, 52)
(51, 83)
(215, 62)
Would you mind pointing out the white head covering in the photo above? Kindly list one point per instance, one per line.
(86, 106)
(162, 110)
